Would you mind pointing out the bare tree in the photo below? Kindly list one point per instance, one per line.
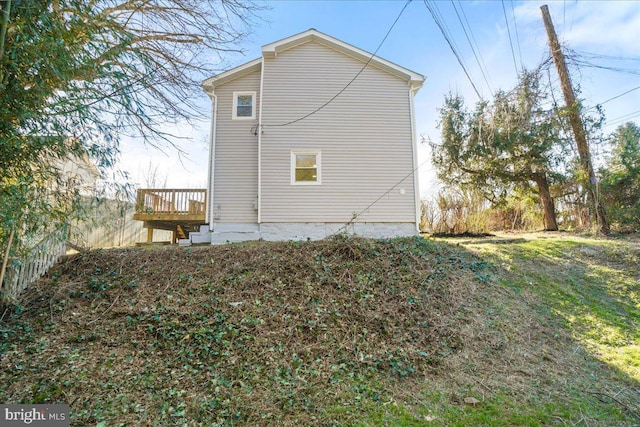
(76, 75)
(146, 58)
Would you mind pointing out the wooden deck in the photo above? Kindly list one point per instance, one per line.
(177, 210)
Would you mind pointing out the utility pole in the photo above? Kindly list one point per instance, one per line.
(595, 204)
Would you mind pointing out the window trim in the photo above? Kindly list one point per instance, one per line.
(318, 155)
(234, 107)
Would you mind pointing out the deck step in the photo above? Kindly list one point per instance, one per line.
(180, 231)
(197, 237)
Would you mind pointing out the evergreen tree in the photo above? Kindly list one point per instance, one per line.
(620, 178)
(515, 141)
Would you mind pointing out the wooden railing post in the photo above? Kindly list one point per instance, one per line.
(171, 201)
(140, 200)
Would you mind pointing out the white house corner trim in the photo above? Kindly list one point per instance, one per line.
(414, 145)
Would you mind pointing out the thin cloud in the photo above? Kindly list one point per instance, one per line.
(612, 27)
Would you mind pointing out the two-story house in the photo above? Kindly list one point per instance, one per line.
(314, 137)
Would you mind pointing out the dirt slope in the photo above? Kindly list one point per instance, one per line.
(314, 333)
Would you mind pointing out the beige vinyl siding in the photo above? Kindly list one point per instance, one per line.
(364, 135)
(236, 155)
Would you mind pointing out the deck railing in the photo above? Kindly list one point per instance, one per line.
(171, 201)
(26, 269)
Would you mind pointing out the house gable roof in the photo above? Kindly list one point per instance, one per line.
(209, 84)
(271, 50)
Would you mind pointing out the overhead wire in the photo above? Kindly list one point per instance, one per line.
(333, 98)
(473, 49)
(363, 211)
(475, 42)
(587, 64)
(593, 55)
(441, 26)
(515, 26)
(513, 54)
(355, 216)
(444, 24)
(617, 96)
(621, 119)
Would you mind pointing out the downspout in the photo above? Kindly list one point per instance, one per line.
(414, 144)
(212, 157)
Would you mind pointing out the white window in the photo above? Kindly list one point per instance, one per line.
(305, 168)
(244, 105)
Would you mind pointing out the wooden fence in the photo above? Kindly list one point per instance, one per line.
(111, 225)
(24, 270)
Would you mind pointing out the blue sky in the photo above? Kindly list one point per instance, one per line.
(610, 28)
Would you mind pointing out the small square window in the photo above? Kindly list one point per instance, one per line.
(305, 168)
(244, 105)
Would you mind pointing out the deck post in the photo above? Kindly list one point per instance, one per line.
(166, 209)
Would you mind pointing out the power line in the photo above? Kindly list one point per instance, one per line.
(352, 80)
(583, 60)
(359, 214)
(515, 26)
(450, 43)
(471, 44)
(444, 25)
(608, 57)
(464, 15)
(587, 64)
(621, 119)
(618, 96)
(513, 54)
